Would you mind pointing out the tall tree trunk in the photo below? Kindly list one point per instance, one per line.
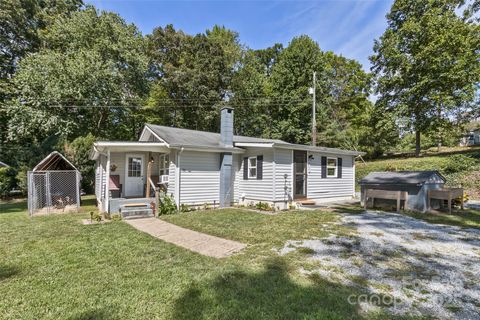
(439, 132)
(417, 143)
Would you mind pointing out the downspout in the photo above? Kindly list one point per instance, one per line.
(107, 183)
(177, 178)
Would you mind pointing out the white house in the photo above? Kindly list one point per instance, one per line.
(200, 168)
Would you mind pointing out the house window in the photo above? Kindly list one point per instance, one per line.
(331, 167)
(252, 167)
(164, 164)
(134, 167)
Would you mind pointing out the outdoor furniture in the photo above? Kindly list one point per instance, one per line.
(385, 194)
(114, 186)
(445, 194)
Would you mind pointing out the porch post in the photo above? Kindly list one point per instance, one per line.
(107, 183)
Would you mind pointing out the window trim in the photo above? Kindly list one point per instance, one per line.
(162, 166)
(335, 174)
(252, 167)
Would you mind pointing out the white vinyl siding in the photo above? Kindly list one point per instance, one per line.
(236, 164)
(330, 187)
(283, 166)
(199, 177)
(171, 174)
(254, 189)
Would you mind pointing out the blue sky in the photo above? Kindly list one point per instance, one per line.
(347, 27)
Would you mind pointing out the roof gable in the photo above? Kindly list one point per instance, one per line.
(54, 161)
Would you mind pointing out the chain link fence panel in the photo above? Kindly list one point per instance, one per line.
(53, 192)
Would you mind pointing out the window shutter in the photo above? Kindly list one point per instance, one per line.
(339, 167)
(324, 167)
(245, 168)
(259, 167)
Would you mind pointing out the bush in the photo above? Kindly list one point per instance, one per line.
(458, 163)
(116, 217)
(95, 216)
(8, 180)
(185, 208)
(22, 181)
(167, 206)
(263, 206)
(78, 151)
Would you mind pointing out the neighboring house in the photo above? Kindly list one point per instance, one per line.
(415, 183)
(200, 168)
(3, 165)
(471, 139)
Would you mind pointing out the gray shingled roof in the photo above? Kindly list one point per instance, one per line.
(186, 137)
(400, 177)
(178, 136)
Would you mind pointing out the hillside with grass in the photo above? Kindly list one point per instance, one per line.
(460, 166)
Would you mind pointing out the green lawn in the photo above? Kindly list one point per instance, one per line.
(53, 267)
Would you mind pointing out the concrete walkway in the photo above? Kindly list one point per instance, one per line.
(192, 240)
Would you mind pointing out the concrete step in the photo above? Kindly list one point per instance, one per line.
(137, 210)
(142, 216)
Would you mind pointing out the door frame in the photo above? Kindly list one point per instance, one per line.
(139, 155)
(305, 175)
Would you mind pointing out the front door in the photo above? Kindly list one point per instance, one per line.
(300, 173)
(134, 175)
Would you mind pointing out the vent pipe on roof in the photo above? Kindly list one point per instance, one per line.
(226, 127)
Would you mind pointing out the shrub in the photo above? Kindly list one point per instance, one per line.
(95, 216)
(107, 216)
(263, 206)
(78, 151)
(167, 206)
(458, 163)
(7, 180)
(116, 217)
(22, 181)
(185, 208)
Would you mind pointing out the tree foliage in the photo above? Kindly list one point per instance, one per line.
(427, 63)
(70, 74)
(89, 69)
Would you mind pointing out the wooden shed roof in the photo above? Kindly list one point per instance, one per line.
(54, 161)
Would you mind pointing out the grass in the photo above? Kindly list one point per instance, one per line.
(468, 218)
(54, 267)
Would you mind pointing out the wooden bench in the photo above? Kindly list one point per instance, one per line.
(385, 194)
(445, 194)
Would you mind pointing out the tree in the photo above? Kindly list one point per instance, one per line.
(427, 63)
(252, 95)
(191, 76)
(21, 24)
(290, 79)
(78, 151)
(90, 69)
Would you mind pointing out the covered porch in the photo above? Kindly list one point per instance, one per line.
(127, 174)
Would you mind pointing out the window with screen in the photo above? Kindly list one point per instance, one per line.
(164, 164)
(331, 167)
(252, 167)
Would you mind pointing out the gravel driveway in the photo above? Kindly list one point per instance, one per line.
(405, 265)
